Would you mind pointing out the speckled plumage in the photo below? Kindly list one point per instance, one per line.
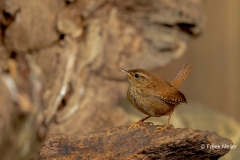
(152, 95)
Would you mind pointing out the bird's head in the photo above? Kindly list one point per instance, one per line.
(137, 77)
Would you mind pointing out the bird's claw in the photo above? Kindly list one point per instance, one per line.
(147, 123)
(160, 129)
(163, 128)
(139, 123)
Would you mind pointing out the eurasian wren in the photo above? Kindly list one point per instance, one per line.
(154, 96)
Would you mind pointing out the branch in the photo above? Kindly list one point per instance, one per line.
(137, 143)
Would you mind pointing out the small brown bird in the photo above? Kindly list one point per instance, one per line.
(154, 96)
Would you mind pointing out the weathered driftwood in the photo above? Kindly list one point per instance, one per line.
(137, 143)
(22, 120)
(80, 44)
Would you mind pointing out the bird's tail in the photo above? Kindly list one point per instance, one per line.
(182, 75)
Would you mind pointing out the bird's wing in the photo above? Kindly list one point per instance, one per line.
(168, 94)
(172, 96)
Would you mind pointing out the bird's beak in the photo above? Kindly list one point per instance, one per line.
(124, 71)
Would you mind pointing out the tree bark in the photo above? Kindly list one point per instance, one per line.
(138, 143)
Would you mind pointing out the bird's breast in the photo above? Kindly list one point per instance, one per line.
(147, 103)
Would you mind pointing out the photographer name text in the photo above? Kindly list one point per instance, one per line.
(218, 146)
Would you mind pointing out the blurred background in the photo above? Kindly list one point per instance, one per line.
(215, 80)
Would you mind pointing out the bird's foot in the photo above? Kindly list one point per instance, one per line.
(146, 123)
(139, 123)
(160, 129)
(163, 128)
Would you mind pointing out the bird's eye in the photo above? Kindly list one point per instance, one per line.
(137, 75)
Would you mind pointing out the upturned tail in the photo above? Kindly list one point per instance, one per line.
(182, 75)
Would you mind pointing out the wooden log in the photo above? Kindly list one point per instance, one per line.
(137, 143)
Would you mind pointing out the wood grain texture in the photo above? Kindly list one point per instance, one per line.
(138, 143)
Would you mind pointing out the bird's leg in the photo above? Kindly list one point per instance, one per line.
(166, 125)
(139, 123)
